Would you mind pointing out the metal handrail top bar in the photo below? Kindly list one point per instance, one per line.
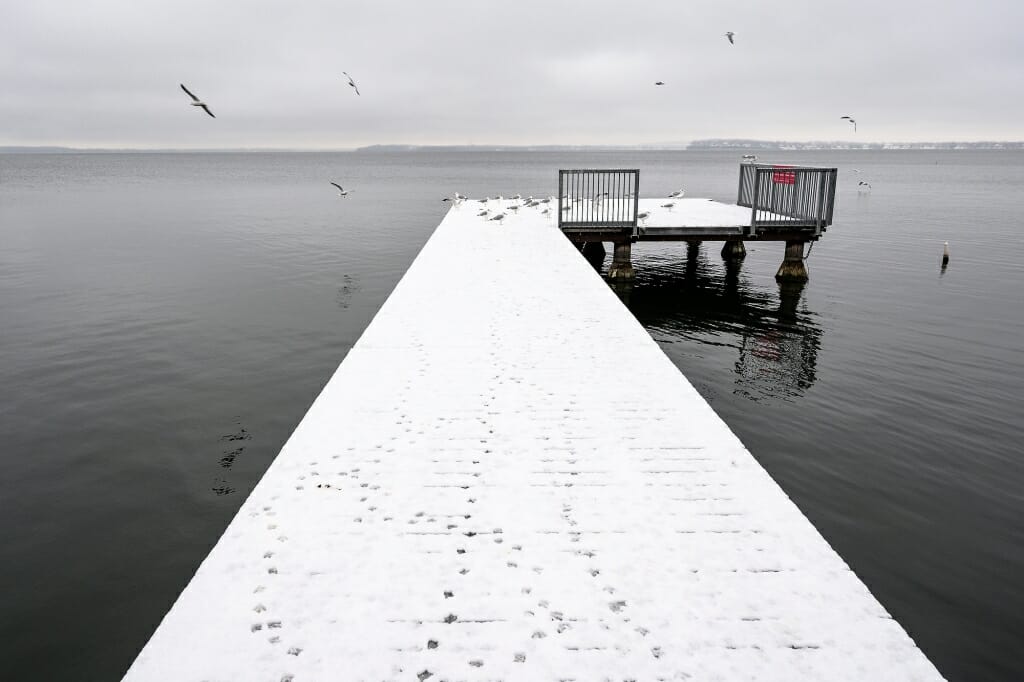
(786, 166)
(599, 170)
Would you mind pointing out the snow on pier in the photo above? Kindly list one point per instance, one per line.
(507, 479)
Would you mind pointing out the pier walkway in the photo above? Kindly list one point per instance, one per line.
(507, 479)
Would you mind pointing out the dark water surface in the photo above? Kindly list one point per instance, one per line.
(166, 320)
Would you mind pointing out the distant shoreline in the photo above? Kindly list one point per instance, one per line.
(697, 145)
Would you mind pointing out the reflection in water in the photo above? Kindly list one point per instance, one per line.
(776, 338)
(349, 286)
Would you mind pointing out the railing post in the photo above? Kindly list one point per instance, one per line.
(819, 213)
(755, 199)
(561, 193)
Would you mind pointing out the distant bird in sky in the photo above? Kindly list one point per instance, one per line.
(196, 102)
(750, 157)
(864, 184)
(851, 120)
(729, 35)
(344, 192)
(659, 82)
(352, 82)
(855, 170)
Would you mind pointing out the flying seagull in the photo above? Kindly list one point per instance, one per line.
(864, 184)
(352, 82)
(750, 157)
(344, 192)
(729, 35)
(196, 102)
(850, 119)
(659, 82)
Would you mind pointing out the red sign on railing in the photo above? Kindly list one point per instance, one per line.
(783, 177)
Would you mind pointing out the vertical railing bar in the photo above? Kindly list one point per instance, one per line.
(636, 196)
(753, 204)
(575, 210)
(821, 201)
(577, 202)
(588, 192)
(616, 210)
(595, 180)
(572, 199)
(560, 214)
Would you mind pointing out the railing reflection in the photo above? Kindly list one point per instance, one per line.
(775, 336)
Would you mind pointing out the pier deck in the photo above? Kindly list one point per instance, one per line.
(699, 218)
(506, 478)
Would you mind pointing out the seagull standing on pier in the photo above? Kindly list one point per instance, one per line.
(196, 102)
(863, 184)
(678, 194)
(729, 35)
(352, 82)
(344, 192)
(851, 120)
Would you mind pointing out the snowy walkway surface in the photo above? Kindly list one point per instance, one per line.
(507, 479)
(694, 213)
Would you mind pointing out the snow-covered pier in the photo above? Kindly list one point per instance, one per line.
(507, 479)
(792, 204)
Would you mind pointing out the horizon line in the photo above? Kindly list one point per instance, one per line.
(704, 144)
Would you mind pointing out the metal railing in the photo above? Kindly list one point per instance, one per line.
(598, 200)
(798, 197)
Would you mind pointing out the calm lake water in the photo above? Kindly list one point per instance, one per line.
(166, 320)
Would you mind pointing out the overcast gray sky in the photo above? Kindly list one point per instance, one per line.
(105, 73)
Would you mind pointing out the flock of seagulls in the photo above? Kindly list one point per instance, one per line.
(458, 198)
(501, 212)
(728, 34)
(731, 37)
(196, 102)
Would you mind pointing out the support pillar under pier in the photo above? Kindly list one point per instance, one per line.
(595, 254)
(621, 269)
(793, 268)
(734, 250)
